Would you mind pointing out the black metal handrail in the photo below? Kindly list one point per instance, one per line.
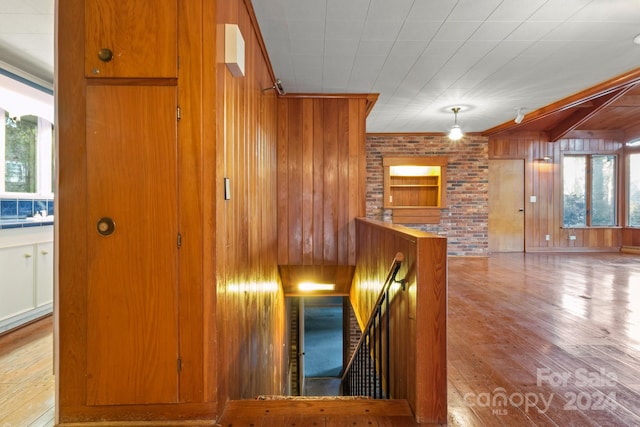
(367, 372)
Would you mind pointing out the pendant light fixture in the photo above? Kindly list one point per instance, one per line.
(455, 133)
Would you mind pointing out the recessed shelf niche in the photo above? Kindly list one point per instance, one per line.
(415, 188)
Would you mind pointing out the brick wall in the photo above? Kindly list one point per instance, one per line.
(465, 220)
(294, 322)
(352, 333)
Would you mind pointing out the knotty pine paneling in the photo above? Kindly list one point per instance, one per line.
(418, 314)
(544, 180)
(251, 312)
(321, 173)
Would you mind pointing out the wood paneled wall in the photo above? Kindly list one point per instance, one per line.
(231, 305)
(321, 178)
(631, 240)
(544, 180)
(251, 312)
(418, 315)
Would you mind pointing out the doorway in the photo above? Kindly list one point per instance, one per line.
(506, 205)
(321, 339)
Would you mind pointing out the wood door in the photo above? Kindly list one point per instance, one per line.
(506, 205)
(132, 319)
(140, 35)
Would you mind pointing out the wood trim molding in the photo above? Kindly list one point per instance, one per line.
(417, 134)
(628, 79)
(371, 98)
(331, 95)
(630, 250)
(583, 114)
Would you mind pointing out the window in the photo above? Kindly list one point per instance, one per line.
(633, 186)
(26, 138)
(589, 190)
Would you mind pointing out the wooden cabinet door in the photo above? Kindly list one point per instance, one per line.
(44, 273)
(16, 280)
(132, 272)
(141, 36)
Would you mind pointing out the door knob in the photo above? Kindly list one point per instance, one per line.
(106, 226)
(105, 55)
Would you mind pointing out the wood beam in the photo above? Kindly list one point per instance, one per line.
(581, 115)
(625, 80)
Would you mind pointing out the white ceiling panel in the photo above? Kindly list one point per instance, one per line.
(532, 30)
(375, 30)
(473, 10)
(341, 48)
(421, 56)
(301, 10)
(515, 10)
(341, 29)
(609, 11)
(457, 30)
(306, 30)
(351, 10)
(307, 47)
(407, 50)
(385, 10)
(419, 30)
(374, 48)
(431, 10)
(559, 10)
(495, 30)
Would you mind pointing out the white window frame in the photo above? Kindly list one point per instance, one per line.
(21, 99)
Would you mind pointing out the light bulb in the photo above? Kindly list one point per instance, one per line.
(455, 133)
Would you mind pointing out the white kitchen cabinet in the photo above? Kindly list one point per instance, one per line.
(26, 275)
(44, 273)
(16, 286)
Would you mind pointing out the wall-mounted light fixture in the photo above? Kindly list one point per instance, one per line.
(312, 286)
(456, 132)
(544, 159)
(519, 115)
(277, 86)
(234, 50)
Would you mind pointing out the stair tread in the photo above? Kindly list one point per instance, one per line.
(318, 407)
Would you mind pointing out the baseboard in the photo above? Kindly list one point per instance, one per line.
(200, 423)
(575, 250)
(630, 250)
(25, 317)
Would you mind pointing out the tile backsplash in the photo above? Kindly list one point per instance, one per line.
(23, 208)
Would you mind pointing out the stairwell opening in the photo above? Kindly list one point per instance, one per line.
(323, 334)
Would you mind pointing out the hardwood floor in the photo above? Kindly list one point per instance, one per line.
(27, 385)
(534, 340)
(559, 335)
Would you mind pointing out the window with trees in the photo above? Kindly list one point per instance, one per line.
(589, 190)
(633, 186)
(26, 139)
